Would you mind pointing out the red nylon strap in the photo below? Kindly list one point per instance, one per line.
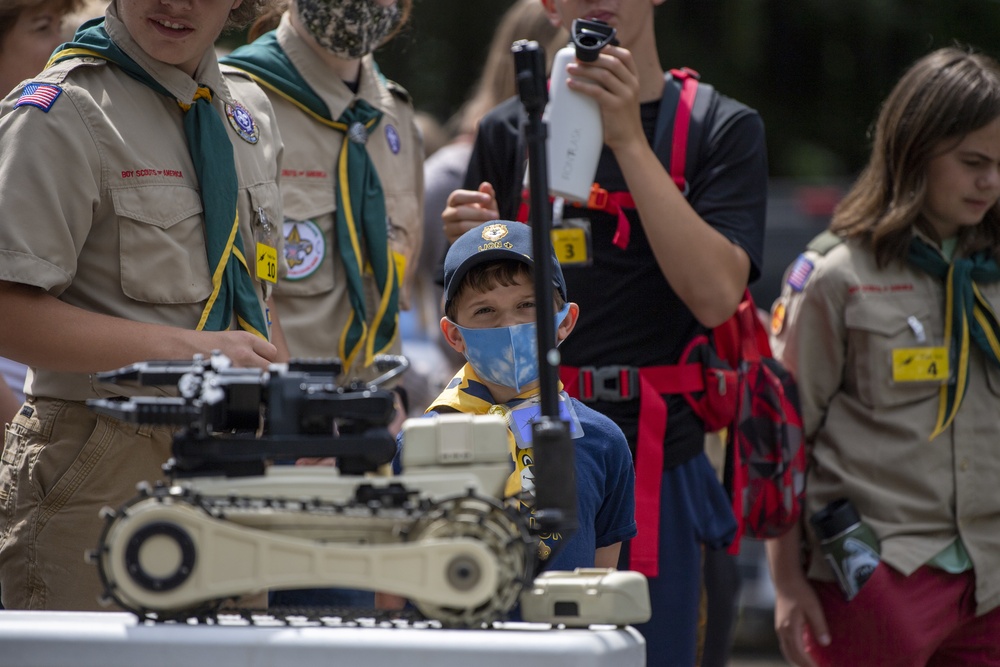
(654, 381)
(522, 209)
(614, 203)
(682, 123)
(587, 391)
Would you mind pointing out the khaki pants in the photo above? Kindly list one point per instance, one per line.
(61, 464)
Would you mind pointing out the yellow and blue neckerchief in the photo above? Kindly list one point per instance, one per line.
(466, 393)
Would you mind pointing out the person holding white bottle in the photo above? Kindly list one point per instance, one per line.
(653, 266)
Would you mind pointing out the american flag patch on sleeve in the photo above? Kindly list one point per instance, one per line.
(799, 275)
(41, 95)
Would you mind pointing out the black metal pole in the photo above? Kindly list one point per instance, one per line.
(529, 60)
(555, 472)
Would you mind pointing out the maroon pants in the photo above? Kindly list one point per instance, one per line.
(928, 618)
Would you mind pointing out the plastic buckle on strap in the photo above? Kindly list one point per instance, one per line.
(598, 197)
(609, 383)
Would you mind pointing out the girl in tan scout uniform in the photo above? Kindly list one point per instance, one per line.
(353, 213)
(889, 325)
(113, 257)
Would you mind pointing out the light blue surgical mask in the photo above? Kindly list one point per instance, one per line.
(507, 356)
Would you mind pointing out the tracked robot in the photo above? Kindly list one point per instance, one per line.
(233, 521)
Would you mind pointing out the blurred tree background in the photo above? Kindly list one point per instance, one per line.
(815, 69)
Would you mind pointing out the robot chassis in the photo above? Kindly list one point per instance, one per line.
(230, 523)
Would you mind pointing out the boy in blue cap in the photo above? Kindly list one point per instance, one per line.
(490, 319)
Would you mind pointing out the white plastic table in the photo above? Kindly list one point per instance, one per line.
(118, 639)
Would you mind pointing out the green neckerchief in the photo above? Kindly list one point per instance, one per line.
(967, 316)
(361, 222)
(233, 290)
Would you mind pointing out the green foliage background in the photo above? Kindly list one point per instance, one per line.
(815, 69)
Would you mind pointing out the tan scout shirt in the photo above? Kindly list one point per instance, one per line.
(102, 201)
(313, 299)
(869, 433)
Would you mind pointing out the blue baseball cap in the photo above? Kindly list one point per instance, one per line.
(494, 240)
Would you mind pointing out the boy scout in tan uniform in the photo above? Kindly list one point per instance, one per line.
(938, 490)
(110, 221)
(313, 298)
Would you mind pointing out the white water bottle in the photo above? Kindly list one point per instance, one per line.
(575, 133)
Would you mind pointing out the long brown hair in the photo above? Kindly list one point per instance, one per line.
(525, 19)
(942, 98)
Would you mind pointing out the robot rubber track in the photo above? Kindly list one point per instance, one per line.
(172, 553)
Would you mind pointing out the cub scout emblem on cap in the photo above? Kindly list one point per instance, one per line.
(242, 122)
(41, 95)
(492, 234)
(305, 247)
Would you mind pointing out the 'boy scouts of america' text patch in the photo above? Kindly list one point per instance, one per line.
(41, 95)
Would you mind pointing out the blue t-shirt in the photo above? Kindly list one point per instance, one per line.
(605, 491)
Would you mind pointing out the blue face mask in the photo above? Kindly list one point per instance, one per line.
(507, 356)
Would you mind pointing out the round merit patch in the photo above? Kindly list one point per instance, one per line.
(392, 136)
(242, 122)
(305, 248)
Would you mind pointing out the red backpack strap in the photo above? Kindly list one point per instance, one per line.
(688, 79)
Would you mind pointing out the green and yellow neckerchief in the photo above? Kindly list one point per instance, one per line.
(233, 290)
(968, 316)
(361, 221)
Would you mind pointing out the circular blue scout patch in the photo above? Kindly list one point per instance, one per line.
(305, 247)
(392, 136)
(242, 122)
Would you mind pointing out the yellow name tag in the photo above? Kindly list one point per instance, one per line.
(267, 263)
(570, 245)
(920, 364)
